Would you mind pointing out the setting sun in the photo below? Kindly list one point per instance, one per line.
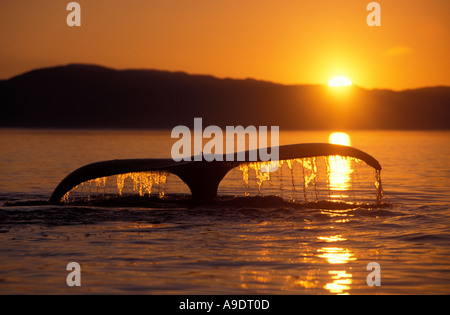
(339, 81)
(339, 138)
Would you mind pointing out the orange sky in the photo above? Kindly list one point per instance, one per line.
(285, 41)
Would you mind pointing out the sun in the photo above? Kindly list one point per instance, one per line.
(339, 81)
(339, 138)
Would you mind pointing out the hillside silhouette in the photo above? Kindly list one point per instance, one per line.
(87, 96)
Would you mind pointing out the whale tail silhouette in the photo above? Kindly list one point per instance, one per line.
(203, 177)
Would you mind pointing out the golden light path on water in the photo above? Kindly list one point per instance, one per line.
(341, 280)
(340, 168)
(340, 171)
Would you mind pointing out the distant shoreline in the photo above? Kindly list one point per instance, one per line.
(94, 97)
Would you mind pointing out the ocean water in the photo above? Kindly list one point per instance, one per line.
(269, 242)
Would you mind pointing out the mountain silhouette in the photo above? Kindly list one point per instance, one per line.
(88, 96)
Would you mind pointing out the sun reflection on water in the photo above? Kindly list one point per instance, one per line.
(330, 239)
(336, 255)
(341, 280)
(339, 168)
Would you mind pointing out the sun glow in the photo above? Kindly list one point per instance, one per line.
(339, 138)
(339, 81)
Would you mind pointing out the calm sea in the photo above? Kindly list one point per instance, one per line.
(253, 246)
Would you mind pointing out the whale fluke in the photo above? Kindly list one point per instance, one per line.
(202, 177)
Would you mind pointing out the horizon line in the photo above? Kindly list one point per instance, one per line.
(214, 77)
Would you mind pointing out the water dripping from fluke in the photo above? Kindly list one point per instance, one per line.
(308, 175)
